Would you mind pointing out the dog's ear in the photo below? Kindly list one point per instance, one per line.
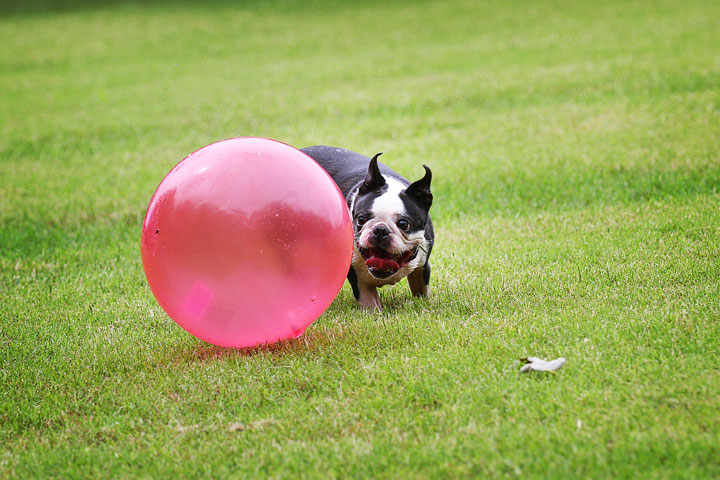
(374, 179)
(420, 190)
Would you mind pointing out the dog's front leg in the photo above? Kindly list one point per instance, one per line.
(366, 295)
(368, 298)
(419, 279)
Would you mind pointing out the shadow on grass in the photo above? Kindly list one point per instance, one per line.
(314, 340)
(33, 7)
(208, 352)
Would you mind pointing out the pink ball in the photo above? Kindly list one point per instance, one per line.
(246, 241)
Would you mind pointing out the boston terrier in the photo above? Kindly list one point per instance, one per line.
(393, 231)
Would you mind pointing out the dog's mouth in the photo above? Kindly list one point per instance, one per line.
(383, 264)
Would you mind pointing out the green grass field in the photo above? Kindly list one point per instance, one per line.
(576, 153)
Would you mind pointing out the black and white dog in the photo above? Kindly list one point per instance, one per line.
(393, 231)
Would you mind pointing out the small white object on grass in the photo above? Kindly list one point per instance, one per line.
(534, 364)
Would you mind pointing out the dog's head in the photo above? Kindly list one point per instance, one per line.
(389, 220)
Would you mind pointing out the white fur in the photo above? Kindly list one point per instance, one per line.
(351, 202)
(388, 206)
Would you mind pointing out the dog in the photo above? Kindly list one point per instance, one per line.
(391, 223)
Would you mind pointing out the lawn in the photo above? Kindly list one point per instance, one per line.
(575, 147)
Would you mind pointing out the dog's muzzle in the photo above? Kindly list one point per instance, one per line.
(383, 264)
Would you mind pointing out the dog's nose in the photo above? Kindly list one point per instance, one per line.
(381, 231)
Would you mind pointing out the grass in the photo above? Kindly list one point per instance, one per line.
(577, 167)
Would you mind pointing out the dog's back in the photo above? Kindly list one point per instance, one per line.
(346, 167)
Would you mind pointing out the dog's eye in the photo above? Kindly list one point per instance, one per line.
(404, 225)
(361, 220)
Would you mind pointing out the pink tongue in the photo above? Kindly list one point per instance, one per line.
(382, 263)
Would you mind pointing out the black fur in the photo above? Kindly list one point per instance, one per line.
(426, 273)
(374, 179)
(346, 167)
(353, 281)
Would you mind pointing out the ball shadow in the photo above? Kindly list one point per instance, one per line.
(312, 340)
